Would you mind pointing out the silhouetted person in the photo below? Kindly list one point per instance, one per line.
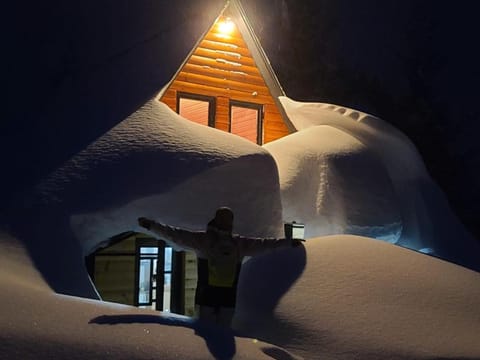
(219, 258)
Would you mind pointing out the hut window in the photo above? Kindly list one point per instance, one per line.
(246, 120)
(197, 108)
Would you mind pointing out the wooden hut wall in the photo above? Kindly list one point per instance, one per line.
(222, 66)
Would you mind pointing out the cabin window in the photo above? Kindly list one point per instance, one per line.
(246, 120)
(197, 108)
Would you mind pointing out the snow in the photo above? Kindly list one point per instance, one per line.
(346, 190)
(154, 164)
(179, 171)
(359, 175)
(339, 296)
(36, 323)
(349, 297)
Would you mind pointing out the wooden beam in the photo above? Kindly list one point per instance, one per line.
(213, 63)
(223, 74)
(213, 91)
(218, 54)
(237, 41)
(222, 84)
(218, 45)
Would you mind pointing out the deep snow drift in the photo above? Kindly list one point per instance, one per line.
(340, 296)
(36, 323)
(347, 297)
(347, 172)
(153, 164)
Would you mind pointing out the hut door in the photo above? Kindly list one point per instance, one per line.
(246, 120)
(154, 276)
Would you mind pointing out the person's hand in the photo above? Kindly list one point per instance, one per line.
(145, 223)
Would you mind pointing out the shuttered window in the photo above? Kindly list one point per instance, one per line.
(246, 120)
(197, 108)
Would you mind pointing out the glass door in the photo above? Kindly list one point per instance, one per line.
(154, 277)
(147, 277)
(167, 280)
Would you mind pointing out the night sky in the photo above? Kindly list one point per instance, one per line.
(412, 63)
(72, 70)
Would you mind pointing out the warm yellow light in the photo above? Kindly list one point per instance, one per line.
(226, 26)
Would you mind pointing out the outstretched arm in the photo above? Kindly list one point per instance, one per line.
(256, 246)
(186, 239)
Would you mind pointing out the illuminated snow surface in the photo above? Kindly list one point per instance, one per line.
(337, 297)
(36, 323)
(347, 172)
(349, 297)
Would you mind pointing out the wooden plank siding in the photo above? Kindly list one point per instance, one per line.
(223, 67)
(222, 118)
(223, 74)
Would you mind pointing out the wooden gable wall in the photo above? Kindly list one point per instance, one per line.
(222, 66)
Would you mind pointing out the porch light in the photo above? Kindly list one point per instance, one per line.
(294, 230)
(226, 26)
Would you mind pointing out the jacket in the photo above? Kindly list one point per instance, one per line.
(220, 254)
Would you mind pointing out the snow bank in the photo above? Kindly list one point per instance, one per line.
(336, 175)
(347, 189)
(338, 297)
(349, 297)
(349, 172)
(36, 323)
(154, 164)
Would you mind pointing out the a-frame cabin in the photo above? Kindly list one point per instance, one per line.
(227, 82)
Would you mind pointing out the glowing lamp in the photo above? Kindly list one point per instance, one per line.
(294, 230)
(226, 26)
